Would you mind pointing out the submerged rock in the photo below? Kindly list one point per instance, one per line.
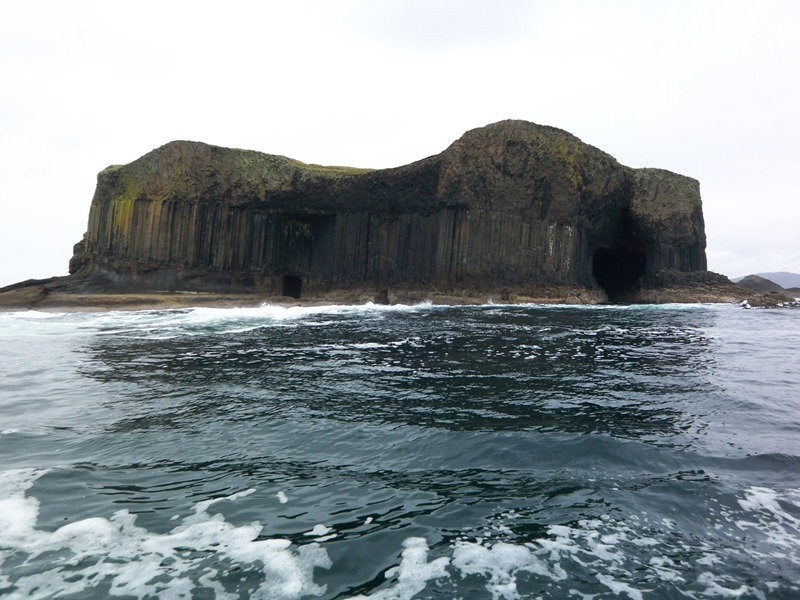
(511, 211)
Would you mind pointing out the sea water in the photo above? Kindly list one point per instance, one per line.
(401, 452)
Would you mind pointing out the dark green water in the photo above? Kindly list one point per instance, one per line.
(401, 452)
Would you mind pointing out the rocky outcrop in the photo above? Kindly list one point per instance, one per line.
(764, 293)
(513, 208)
(759, 284)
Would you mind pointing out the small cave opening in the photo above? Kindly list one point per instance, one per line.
(292, 286)
(619, 266)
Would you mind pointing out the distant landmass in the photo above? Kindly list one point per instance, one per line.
(762, 284)
(783, 278)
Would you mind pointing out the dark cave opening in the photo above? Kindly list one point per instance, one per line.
(618, 270)
(292, 286)
(619, 264)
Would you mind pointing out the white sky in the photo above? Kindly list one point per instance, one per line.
(709, 89)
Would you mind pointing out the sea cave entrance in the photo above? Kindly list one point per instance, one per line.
(619, 267)
(292, 286)
(618, 271)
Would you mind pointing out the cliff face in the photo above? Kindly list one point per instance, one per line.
(511, 205)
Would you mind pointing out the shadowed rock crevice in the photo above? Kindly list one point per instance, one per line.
(512, 209)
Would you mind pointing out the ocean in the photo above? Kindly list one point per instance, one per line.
(398, 452)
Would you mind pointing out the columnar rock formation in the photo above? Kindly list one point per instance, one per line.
(513, 206)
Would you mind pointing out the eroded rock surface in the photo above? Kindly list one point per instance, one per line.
(512, 208)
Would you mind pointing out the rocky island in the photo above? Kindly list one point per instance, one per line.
(510, 212)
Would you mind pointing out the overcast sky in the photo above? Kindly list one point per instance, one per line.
(709, 89)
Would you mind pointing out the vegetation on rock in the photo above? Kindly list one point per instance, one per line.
(512, 205)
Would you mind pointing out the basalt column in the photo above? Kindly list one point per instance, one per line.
(510, 206)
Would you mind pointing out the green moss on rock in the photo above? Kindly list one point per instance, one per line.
(509, 204)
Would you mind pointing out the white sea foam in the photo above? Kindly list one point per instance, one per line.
(769, 501)
(172, 323)
(167, 324)
(319, 530)
(618, 587)
(204, 550)
(411, 576)
(606, 546)
(666, 569)
(501, 563)
(26, 315)
(277, 312)
(770, 513)
(713, 588)
(198, 553)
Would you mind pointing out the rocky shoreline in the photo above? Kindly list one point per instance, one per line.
(71, 294)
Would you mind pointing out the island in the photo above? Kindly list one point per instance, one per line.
(510, 212)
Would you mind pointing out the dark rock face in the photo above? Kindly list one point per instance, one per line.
(513, 205)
